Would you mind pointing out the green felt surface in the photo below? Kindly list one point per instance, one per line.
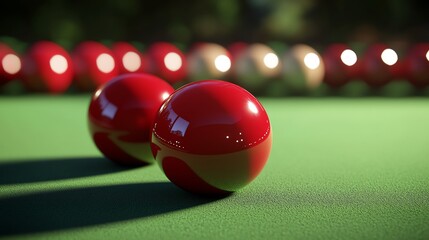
(339, 169)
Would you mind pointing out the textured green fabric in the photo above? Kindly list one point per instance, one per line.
(339, 169)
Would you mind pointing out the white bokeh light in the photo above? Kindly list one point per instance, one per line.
(131, 61)
(311, 60)
(105, 63)
(11, 64)
(427, 55)
(58, 64)
(389, 56)
(222, 63)
(271, 60)
(348, 57)
(173, 61)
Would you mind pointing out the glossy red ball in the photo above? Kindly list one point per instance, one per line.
(211, 137)
(94, 64)
(47, 67)
(121, 115)
(10, 64)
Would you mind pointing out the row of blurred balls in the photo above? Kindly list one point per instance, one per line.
(47, 67)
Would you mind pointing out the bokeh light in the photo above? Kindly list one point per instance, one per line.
(349, 57)
(389, 56)
(173, 61)
(311, 60)
(131, 61)
(222, 63)
(271, 60)
(11, 64)
(105, 63)
(58, 64)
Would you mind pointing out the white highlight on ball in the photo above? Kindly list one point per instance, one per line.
(271, 60)
(311, 60)
(173, 61)
(131, 61)
(165, 95)
(348, 57)
(222, 63)
(252, 107)
(58, 64)
(105, 63)
(97, 93)
(389, 56)
(11, 63)
(427, 55)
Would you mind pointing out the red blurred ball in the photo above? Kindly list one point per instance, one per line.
(128, 58)
(94, 64)
(166, 61)
(121, 115)
(47, 67)
(341, 65)
(380, 65)
(417, 64)
(10, 64)
(236, 49)
(211, 137)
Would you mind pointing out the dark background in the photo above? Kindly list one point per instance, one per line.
(222, 21)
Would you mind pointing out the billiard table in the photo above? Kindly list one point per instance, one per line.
(340, 168)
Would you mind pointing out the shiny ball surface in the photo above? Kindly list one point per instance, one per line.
(121, 114)
(211, 137)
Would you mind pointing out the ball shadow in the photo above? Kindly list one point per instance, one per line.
(55, 169)
(72, 208)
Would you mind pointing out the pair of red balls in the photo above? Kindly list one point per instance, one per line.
(209, 137)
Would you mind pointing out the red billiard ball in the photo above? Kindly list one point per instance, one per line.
(211, 137)
(94, 64)
(47, 67)
(208, 60)
(10, 64)
(128, 58)
(380, 65)
(417, 65)
(121, 115)
(340, 65)
(166, 61)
